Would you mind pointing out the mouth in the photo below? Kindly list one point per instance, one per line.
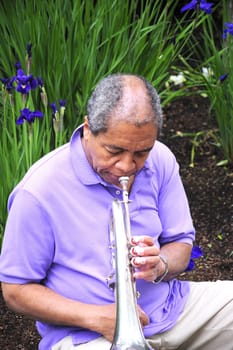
(122, 175)
(113, 178)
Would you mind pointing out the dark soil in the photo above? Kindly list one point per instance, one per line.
(210, 192)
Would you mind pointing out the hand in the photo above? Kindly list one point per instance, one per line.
(146, 258)
(105, 323)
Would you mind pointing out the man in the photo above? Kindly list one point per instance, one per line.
(56, 262)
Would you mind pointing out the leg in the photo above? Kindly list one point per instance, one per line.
(206, 322)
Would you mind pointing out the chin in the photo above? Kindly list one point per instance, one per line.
(111, 179)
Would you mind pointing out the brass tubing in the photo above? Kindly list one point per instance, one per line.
(128, 330)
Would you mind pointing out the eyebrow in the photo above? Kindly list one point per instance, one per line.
(117, 148)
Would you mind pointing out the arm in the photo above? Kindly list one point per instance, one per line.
(31, 298)
(178, 233)
(150, 266)
(41, 303)
(178, 256)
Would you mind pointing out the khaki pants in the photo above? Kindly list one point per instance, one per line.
(205, 324)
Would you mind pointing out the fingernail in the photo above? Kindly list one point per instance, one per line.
(139, 261)
(134, 240)
(133, 251)
(138, 250)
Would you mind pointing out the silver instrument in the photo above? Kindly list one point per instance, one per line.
(128, 330)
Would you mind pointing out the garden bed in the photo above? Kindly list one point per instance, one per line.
(210, 192)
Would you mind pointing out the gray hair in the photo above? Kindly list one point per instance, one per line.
(106, 97)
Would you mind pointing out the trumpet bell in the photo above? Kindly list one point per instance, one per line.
(128, 331)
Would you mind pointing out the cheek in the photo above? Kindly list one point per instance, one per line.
(102, 161)
(105, 164)
(140, 162)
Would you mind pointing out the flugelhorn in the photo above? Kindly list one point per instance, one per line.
(128, 330)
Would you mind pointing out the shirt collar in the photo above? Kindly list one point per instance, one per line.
(82, 168)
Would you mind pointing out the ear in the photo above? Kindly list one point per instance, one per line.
(86, 128)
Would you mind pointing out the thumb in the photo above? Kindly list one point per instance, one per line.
(144, 319)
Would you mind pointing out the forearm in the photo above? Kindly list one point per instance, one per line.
(178, 256)
(150, 261)
(41, 303)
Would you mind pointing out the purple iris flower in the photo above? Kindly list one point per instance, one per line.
(8, 84)
(29, 50)
(223, 77)
(18, 65)
(53, 107)
(40, 82)
(195, 4)
(192, 5)
(62, 103)
(4, 81)
(206, 6)
(228, 29)
(196, 253)
(25, 83)
(29, 116)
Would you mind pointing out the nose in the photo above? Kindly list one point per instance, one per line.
(126, 164)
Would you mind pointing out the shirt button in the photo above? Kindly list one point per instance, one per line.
(118, 192)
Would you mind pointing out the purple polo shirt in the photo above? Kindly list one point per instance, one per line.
(57, 233)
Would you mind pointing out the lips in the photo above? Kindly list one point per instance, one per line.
(125, 174)
(118, 176)
(113, 178)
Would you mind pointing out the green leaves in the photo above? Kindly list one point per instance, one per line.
(76, 43)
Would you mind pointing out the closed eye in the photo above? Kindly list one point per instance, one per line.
(114, 151)
(141, 154)
(117, 151)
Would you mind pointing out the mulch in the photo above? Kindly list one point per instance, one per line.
(210, 192)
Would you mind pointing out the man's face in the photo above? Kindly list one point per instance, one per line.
(121, 151)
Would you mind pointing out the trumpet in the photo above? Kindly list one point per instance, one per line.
(128, 330)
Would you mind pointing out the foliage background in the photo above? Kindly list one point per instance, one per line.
(74, 44)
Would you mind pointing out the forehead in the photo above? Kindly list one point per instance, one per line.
(135, 106)
(129, 136)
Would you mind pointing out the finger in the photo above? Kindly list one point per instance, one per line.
(138, 262)
(142, 241)
(147, 275)
(144, 319)
(144, 251)
(148, 261)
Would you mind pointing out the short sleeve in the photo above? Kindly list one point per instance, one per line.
(28, 244)
(173, 207)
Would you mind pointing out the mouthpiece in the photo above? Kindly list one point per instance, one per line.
(124, 184)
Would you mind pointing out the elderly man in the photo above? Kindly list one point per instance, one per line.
(56, 262)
